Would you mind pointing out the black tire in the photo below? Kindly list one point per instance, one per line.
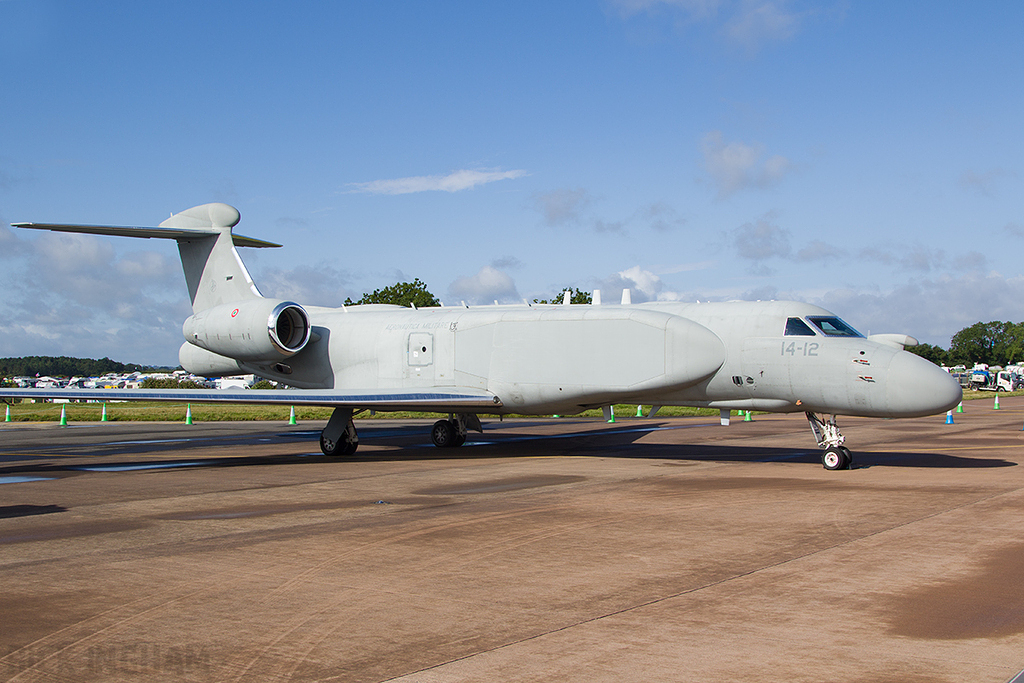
(833, 458)
(459, 440)
(337, 448)
(443, 434)
(849, 457)
(328, 447)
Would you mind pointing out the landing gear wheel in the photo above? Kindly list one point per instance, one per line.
(328, 447)
(333, 448)
(849, 456)
(459, 440)
(443, 434)
(834, 458)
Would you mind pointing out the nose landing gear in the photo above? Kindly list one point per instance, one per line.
(836, 455)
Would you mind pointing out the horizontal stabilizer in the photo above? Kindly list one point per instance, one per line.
(434, 400)
(158, 233)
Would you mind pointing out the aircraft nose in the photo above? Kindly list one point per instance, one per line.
(916, 387)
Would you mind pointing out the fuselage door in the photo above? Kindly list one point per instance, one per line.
(420, 368)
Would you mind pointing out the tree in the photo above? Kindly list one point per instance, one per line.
(935, 354)
(169, 383)
(400, 294)
(994, 343)
(576, 296)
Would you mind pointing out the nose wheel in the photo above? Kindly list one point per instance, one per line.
(836, 456)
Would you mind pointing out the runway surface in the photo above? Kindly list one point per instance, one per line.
(551, 549)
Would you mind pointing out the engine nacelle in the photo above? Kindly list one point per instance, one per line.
(207, 363)
(250, 330)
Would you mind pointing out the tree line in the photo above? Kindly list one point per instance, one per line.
(62, 366)
(994, 343)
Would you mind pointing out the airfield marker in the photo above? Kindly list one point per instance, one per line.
(996, 406)
(611, 414)
(291, 418)
(63, 417)
(639, 411)
(960, 407)
(747, 418)
(103, 416)
(949, 417)
(8, 414)
(188, 414)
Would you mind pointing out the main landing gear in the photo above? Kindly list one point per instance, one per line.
(339, 436)
(451, 433)
(836, 455)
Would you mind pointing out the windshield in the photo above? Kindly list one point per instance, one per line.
(795, 327)
(833, 327)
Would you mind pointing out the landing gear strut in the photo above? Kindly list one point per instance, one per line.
(836, 455)
(339, 436)
(451, 433)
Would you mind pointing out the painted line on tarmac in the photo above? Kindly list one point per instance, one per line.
(19, 480)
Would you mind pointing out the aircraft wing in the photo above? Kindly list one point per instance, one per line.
(455, 399)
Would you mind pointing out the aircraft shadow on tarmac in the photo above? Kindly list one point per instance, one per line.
(411, 442)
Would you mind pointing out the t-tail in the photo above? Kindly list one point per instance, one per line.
(231, 320)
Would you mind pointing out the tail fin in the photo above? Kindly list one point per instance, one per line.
(214, 272)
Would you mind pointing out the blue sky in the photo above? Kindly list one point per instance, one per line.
(862, 156)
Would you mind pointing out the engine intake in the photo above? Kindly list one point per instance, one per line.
(250, 330)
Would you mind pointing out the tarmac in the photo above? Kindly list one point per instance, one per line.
(653, 549)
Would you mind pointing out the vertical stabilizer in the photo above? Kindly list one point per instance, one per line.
(214, 272)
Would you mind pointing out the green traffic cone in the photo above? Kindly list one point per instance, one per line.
(611, 412)
(103, 417)
(996, 406)
(63, 417)
(747, 418)
(8, 414)
(291, 418)
(960, 407)
(639, 411)
(188, 414)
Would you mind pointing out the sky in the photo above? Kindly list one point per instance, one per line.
(862, 156)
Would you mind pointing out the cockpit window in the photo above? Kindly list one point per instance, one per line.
(795, 327)
(833, 327)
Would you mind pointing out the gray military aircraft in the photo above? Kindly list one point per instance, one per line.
(776, 356)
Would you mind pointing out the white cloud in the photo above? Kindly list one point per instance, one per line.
(453, 182)
(487, 286)
(643, 285)
(758, 22)
(818, 250)
(931, 309)
(694, 8)
(761, 240)
(986, 182)
(315, 285)
(749, 24)
(562, 206)
(735, 166)
(662, 217)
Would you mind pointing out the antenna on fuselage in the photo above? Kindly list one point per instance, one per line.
(626, 299)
